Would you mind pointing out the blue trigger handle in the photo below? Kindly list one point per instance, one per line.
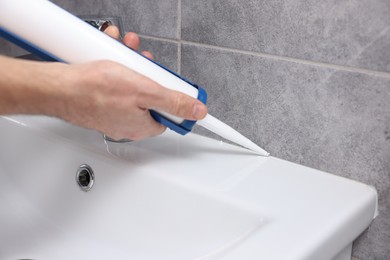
(182, 128)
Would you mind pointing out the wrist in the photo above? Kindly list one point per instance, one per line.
(29, 87)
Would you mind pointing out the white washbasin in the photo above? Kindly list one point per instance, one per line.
(169, 197)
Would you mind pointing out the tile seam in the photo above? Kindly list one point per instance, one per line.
(179, 58)
(158, 38)
(275, 57)
(178, 32)
(290, 59)
(179, 36)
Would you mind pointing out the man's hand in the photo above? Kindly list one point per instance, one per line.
(101, 95)
(116, 100)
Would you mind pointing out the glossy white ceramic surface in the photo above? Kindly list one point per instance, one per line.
(168, 197)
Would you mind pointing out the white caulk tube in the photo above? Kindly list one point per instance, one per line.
(54, 34)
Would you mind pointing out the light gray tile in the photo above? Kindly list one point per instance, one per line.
(329, 31)
(335, 121)
(154, 17)
(165, 53)
(89, 7)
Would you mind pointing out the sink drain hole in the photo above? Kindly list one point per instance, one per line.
(85, 177)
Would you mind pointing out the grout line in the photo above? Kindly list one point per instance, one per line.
(179, 58)
(158, 38)
(274, 57)
(178, 32)
(179, 36)
(296, 60)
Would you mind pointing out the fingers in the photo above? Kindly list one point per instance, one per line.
(152, 128)
(112, 31)
(148, 55)
(147, 128)
(131, 40)
(156, 97)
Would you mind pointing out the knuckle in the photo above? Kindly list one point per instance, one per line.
(177, 104)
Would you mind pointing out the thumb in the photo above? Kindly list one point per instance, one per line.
(184, 106)
(177, 103)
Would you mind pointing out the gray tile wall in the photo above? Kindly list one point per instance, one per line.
(307, 80)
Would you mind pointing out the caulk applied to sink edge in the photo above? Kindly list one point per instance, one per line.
(220, 128)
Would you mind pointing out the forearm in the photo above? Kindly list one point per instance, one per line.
(28, 87)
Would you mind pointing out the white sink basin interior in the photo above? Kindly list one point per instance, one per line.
(169, 197)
